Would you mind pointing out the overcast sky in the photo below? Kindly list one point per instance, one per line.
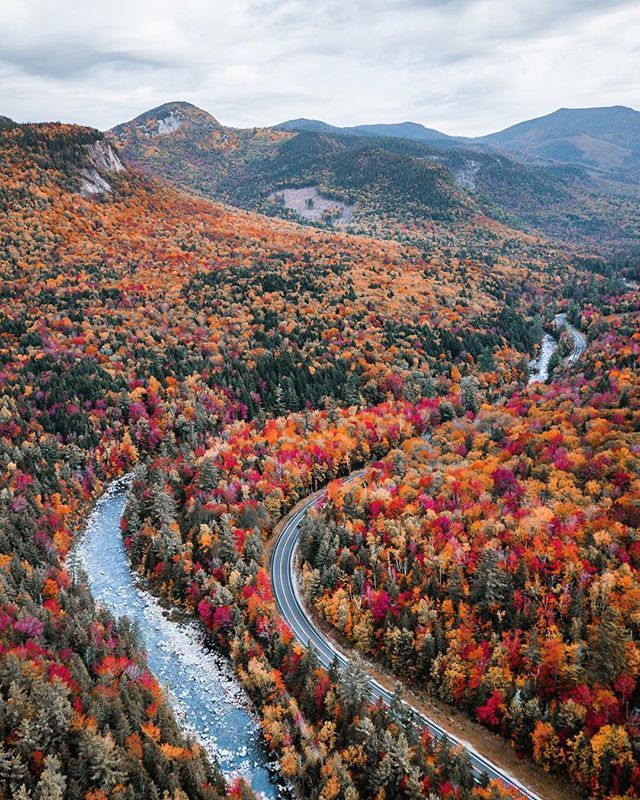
(462, 66)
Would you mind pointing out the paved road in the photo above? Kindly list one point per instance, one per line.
(287, 595)
(579, 339)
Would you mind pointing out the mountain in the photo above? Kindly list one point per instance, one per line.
(245, 167)
(186, 145)
(406, 130)
(169, 118)
(378, 184)
(401, 130)
(606, 140)
(308, 125)
(602, 140)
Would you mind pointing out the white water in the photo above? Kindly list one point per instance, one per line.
(540, 365)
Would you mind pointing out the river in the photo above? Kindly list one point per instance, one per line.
(540, 366)
(199, 682)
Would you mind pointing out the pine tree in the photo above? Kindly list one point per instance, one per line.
(454, 586)
(607, 648)
(227, 549)
(461, 771)
(401, 763)
(352, 389)
(312, 585)
(396, 706)
(16, 775)
(405, 652)
(99, 762)
(163, 506)
(132, 515)
(491, 586)
(279, 401)
(208, 474)
(353, 688)
(327, 553)
(311, 534)
(52, 783)
(470, 392)
(253, 548)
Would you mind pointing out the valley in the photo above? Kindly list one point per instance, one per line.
(329, 430)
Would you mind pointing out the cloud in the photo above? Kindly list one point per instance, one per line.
(71, 61)
(465, 66)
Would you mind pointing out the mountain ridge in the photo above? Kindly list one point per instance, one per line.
(603, 139)
(401, 130)
(377, 175)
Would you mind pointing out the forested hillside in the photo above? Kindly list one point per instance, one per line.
(237, 363)
(82, 716)
(394, 183)
(497, 564)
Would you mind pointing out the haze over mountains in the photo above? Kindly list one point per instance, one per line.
(400, 130)
(605, 139)
(573, 175)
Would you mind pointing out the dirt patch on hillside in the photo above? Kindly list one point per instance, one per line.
(309, 204)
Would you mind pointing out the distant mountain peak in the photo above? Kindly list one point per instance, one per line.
(602, 139)
(593, 109)
(169, 118)
(582, 120)
(406, 130)
(395, 130)
(304, 124)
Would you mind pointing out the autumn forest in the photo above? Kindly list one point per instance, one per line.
(466, 534)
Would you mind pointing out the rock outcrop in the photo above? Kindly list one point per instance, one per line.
(102, 160)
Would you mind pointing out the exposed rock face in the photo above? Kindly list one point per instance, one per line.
(92, 183)
(152, 128)
(102, 158)
(466, 175)
(169, 124)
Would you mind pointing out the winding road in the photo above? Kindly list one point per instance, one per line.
(291, 605)
(287, 595)
(579, 339)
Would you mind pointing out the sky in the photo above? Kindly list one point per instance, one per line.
(465, 67)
